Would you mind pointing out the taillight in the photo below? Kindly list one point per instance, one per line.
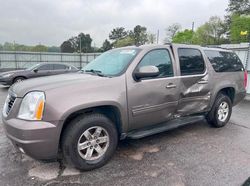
(245, 79)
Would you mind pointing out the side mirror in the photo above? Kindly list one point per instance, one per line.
(35, 70)
(146, 71)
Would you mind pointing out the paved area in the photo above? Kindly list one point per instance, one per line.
(192, 155)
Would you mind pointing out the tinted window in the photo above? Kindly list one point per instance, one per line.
(60, 67)
(159, 58)
(191, 61)
(224, 61)
(46, 67)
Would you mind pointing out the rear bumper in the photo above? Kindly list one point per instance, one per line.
(239, 97)
(37, 139)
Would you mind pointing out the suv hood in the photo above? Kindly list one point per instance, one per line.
(55, 82)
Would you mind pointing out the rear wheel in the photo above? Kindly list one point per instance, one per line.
(18, 79)
(89, 141)
(221, 111)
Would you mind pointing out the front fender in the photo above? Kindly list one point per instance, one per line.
(81, 107)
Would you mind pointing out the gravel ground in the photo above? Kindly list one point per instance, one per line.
(192, 155)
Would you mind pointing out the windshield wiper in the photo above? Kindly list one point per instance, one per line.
(96, 72)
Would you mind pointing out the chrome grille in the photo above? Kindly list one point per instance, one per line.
(8, 104)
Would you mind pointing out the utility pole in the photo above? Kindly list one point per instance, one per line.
(80, 44)
(15, 55)
(192, 32)
(80, 52)
(192, 26)
(158, 33)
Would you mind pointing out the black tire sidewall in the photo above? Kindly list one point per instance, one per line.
(213, 118)
(75, 131)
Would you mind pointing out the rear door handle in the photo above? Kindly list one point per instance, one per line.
(171, 85)
(202, 82)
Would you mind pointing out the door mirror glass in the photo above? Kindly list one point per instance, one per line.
(147, 71)
(35, 70)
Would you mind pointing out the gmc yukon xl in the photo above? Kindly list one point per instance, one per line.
(129, 92)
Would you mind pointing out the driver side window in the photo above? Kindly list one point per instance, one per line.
(159, 58)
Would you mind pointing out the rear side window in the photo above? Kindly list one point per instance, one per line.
(46, 67)
(191, 61)
(59, 67)
(224, 61)
(159, 58)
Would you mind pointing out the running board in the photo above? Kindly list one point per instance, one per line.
(175, 123)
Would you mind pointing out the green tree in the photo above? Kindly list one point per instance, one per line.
(8, 46)
(83, 43)
(139, 35)
(39, 48)
(235, 7)
(183, 37)
(118, 33)
(202, 36)
(171, 31)
(210, 33)
(239, 7)
(106, 46)
(240, 23)
(127, 41)
(66, 47)
(80, 43)
(151, 38)
(1, 47)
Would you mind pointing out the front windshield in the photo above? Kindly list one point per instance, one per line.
(113, 62)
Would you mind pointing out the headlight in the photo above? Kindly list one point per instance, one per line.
(7, 75)
(32, 106)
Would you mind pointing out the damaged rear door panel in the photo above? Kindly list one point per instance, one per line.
(194, 81)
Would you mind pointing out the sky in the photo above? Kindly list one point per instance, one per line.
(50, 22)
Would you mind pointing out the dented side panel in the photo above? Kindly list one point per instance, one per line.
(194, 95)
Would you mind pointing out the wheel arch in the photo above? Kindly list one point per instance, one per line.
(226, 90)
(111, 111)
(21, 76)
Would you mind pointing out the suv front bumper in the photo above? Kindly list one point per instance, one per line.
(38, 139)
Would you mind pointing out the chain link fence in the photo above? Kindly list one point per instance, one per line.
(20, 60)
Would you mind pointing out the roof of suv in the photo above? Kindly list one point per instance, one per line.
(151, 46)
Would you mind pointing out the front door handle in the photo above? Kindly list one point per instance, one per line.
(202, 82)
(171, 85)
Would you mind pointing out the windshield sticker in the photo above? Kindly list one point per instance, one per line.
(133, 52)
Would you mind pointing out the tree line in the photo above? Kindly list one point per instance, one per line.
(7, 46)
(118, 37)
(234, 28)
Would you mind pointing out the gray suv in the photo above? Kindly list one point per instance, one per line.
(129, 92)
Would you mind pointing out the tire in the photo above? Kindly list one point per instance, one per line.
(18, 79)
(75, 134)
(215, 116)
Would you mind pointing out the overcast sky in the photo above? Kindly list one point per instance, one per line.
(50, 22)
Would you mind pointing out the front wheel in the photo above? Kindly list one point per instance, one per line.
(18, 79)
(220, 112)
(89, 141)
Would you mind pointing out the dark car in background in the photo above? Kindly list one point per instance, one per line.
(38, 70)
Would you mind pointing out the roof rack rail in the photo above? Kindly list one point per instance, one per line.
(168, 43)
(212, 46)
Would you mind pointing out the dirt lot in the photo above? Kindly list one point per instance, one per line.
(193, 155)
